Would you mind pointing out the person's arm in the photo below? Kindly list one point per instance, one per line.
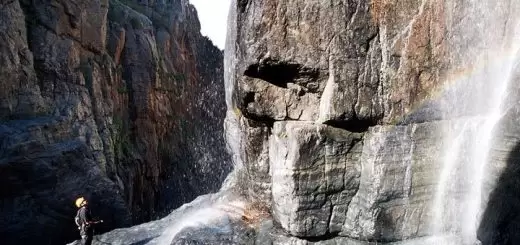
(76, 220)
(88, 217)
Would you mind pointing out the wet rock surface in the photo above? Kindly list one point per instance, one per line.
(341, 114)
(217, 218)
(218, 234)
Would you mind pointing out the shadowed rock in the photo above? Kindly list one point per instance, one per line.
(118, 101)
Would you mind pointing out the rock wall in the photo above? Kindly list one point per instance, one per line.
(117, 100)
(338, 111)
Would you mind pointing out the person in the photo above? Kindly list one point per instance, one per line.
(84, 221)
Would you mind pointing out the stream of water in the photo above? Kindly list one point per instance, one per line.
(477, 105)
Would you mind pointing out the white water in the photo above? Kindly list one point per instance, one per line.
(212, 213)
(219, 213)
(460, 199)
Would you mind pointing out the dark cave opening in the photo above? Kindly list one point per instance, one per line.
(276, 73)
(353, 125)
(281, 73)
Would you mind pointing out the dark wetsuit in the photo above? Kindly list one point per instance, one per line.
(83, 218)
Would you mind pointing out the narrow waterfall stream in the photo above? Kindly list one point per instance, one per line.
(475, 108)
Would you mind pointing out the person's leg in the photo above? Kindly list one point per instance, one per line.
(89, 239)
(83, 239)
(90, 235)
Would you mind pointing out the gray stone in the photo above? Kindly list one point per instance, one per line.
(448, 240)
(412, 78)
(397, 182)
(316, 172)
(224, 233)
(17, 99)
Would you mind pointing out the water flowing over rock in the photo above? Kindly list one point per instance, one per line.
(348, 122)
(117, 100)
(376, 122)
(221, 218)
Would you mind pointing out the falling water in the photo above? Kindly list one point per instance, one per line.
(231, 124)
(474, 109)
(216, 212)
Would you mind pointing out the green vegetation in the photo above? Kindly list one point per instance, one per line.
(105, 59)
(134, 5)
(160, 21)
(121, 138)
(122, 90)
(162, 89)
(237, 112)
(119, 12)
(115, 12)
(171, 82)
(179, 77)
(136, 23)
(85, 67)
(282, 135)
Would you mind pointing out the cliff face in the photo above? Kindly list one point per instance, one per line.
(119, 101)
(343, 115)
(364, 122)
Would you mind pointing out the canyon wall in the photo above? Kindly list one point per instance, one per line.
(118, 101)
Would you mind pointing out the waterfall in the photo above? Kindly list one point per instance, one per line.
(213, 210)
(222, 207)
(474, 106)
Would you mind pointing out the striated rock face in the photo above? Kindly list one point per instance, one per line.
(119, 101)
(314, 172)
(342, 116)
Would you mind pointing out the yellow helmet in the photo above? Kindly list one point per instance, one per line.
(79, 201)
